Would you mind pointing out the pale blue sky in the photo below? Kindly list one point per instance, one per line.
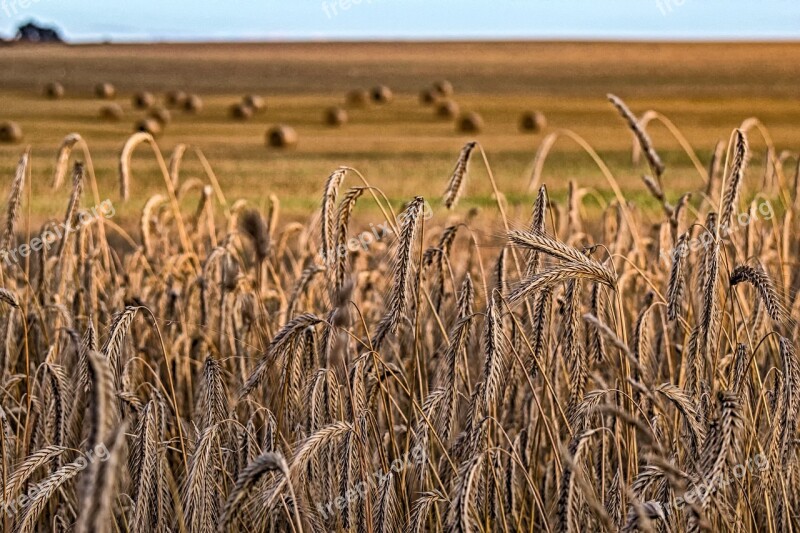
(146, 20)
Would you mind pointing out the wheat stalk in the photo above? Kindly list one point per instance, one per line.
(641, 135)
(14, 200)
(735, 178)
(455, 187)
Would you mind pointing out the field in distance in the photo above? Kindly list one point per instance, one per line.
(402, 147)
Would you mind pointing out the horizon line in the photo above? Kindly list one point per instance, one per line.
(752, 39)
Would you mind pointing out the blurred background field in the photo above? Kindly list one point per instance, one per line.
(402, 147)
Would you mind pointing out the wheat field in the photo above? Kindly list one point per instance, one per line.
(430, 366)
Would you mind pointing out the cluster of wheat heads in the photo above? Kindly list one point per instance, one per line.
(260, 376)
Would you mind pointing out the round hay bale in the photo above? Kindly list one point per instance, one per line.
(161, 115)
(357, 98)
(443, 87)
(428, 97)
(470, 122)
(193, 104)
(381, 94)
(447, 109)
(241, 111)
(175, 98)
(105, 91)
(532, 121)
(143, 100)
(10, 132)
(148, 125)
(335, 116)
(281, 137)
(54, 90)
(255, 102)
(111, 112)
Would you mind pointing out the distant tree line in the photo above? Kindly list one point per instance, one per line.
(31, 32)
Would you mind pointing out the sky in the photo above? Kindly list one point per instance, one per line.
(198, 20)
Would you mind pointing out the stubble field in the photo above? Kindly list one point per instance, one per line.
(705, 89)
